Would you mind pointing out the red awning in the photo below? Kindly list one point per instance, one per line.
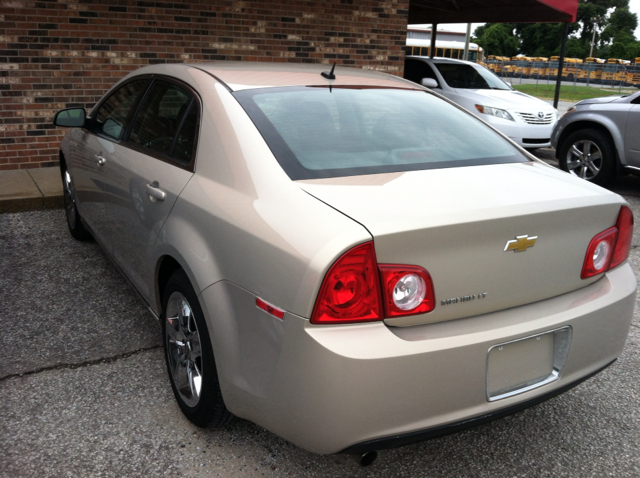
(494, 11)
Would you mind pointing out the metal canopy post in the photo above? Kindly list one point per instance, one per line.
(433, 39)
(466, 43)
(565, 34)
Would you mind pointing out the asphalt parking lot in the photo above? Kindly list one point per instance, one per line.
(84, 392)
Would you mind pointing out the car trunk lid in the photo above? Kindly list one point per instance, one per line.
(457, 223)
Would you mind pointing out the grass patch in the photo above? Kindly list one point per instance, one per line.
(567, 92)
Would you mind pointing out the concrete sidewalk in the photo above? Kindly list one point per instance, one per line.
(30, 189)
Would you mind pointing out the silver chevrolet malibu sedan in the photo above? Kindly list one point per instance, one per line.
(344, 257)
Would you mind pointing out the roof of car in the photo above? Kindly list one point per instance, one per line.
(248, 75)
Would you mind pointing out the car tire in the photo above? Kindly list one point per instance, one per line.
(589, 154)
(76, 228)
(189, 355)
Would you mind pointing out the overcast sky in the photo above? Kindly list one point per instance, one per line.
(634, 7)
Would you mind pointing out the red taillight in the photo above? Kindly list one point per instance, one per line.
(611, 247)
(408, 290)
(625, 234)
(599, 253)
(350, 291)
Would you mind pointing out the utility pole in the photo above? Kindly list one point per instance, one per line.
(593, 38)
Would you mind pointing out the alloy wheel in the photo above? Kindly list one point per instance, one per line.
(184, 352)
(69, 203)
(584, 159)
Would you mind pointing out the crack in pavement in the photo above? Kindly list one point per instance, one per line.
(70, 366)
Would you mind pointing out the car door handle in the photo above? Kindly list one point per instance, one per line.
(155, 193)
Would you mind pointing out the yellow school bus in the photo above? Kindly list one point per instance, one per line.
(445, 49)
(570, 68)
(614, 72)
(539, 67)
(591, 70)
(521, 66)
(633, 73)
(497, 64)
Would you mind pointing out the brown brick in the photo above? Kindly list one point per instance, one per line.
(69, 53)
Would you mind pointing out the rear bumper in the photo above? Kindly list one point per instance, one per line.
(357, 387)
(423, 435)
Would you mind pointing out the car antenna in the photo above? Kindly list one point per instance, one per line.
(329, 74)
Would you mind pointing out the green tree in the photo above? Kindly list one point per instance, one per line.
(618, 50)
(621, 22)
(633, 51)
(497, 39)
(592, 14)
(479, 31)
(575, 49)
(540, 39)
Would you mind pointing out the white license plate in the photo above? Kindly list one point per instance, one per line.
(522, 365)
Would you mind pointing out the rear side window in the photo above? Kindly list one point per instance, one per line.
(467, 76)
(111, 115)
(416, 70)
(166, 121)
(318, 132)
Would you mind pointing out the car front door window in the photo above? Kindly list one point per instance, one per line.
(112, 114)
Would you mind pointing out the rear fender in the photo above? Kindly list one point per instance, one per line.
(198, 263)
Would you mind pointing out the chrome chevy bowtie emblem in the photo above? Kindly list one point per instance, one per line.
(520, 243)
(541, 114)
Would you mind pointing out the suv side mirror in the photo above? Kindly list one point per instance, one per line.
(429, 83)
(70, 118)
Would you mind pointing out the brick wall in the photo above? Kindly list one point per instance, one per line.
(62, 53)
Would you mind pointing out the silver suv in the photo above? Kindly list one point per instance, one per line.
(599, 138)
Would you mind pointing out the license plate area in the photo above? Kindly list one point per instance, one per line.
(525, 364)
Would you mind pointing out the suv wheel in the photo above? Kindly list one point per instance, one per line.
(589, 154)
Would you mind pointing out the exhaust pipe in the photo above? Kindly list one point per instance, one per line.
(365, 459)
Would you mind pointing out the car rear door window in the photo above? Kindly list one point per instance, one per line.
(185, 142)
(111, 115)
(166, 122)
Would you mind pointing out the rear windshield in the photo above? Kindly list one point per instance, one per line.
(321, 132)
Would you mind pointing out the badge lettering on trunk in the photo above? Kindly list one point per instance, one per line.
(520, 243)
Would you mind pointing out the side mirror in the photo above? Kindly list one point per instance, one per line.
(429, 83)
(70, 118)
